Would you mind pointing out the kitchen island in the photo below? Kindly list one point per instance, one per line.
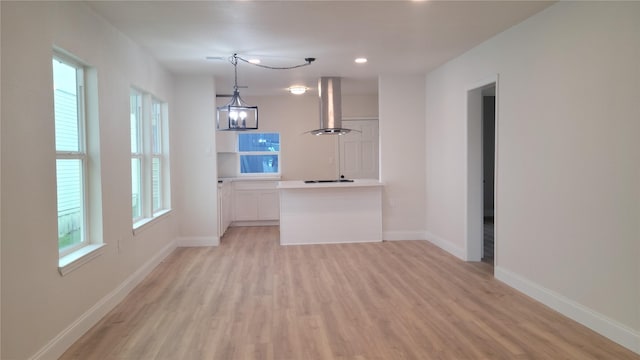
(330, 212)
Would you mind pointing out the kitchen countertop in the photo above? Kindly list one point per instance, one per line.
(300, 184)
(250, 178)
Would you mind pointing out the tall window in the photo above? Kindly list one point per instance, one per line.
(259, 153)
(156, 155)
(71, 155)
(136, 154)
(149, 168)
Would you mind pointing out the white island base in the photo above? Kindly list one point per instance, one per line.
(328, 213)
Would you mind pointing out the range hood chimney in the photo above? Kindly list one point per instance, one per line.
(330, 107)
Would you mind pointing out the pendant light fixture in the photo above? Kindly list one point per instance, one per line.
(236, 115)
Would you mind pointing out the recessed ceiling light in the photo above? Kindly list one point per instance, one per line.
(361, 60)
(254, 61)
(298, 90)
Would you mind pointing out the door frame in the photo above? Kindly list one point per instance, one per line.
(474, 168)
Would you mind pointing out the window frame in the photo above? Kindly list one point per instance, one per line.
(139, 154)
(273, 153)
(152, 106)
(80, 154)
(157, 155)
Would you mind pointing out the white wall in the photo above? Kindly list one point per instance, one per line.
(37, 303)
(304, 156)
(194, 160)
(568, 179)
(0, 192)
(402, 156)
(358, 106)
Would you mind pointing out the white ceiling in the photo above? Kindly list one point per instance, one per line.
(409, 37)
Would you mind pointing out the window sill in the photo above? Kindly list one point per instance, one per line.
(140, 225)
(68, 263)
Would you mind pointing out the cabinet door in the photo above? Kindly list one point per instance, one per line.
(227, 206)
(221, 205)
(246, 205)
(225, 141)
(269, 205)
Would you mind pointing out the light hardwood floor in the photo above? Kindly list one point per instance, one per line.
(251, 298)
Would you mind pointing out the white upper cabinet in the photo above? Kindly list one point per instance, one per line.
(226, 142)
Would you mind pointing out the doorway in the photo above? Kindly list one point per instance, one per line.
(488, 171)
(481, 169)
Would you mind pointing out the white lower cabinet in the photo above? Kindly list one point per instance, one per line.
(256, 200)
(246, 205)
(268, 205)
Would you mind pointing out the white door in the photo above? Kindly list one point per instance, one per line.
(359, 150)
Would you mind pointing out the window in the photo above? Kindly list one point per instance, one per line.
(259, 153)
(77, 148)
(71, 155)
(136, 154)
(156, 155)
(149, 165)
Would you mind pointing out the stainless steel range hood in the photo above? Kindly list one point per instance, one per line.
(330, 107)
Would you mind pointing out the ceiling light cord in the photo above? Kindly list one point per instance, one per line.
(234, 60)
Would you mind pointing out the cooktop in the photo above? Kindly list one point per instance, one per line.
(326, 181)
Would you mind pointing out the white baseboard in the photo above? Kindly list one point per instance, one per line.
(595, 321)
(330, 243)
(59, 344)
(403, 235)
(255, 223)
(446, 245)
(196, 241)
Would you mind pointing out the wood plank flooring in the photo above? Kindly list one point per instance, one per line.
(251, 298)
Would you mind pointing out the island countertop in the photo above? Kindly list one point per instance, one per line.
(300, 184)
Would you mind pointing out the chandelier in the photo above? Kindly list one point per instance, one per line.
(237, 115)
